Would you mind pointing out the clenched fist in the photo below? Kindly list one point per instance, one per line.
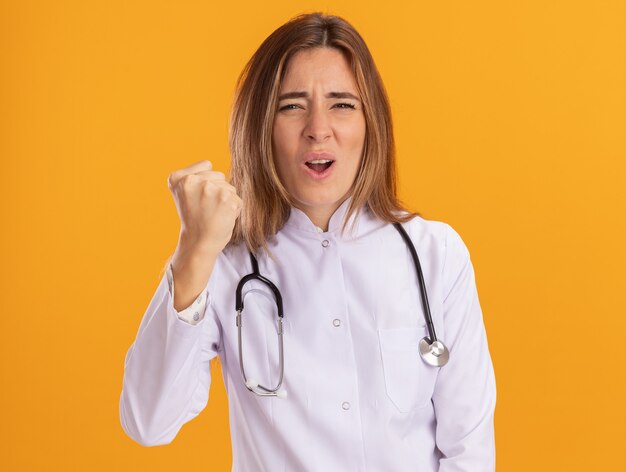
(207, 206)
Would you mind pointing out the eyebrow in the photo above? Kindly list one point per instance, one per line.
(287, 95)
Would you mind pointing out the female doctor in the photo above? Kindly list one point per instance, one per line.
(295, 275)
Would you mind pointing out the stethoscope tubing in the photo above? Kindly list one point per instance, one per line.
(420, 277)
(255, 275)
(239, 304)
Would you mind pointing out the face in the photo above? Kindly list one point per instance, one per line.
(319, 131)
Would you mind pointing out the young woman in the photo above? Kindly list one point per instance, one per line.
(300, 275)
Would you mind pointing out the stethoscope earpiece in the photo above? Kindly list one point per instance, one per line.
(435, 354)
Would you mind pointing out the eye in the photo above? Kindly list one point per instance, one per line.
(345, 106)
(289, 106)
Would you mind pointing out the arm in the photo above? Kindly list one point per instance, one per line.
(465, 393)
(194, 312)
(167, 369)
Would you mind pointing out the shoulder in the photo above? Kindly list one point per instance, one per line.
(232, 263)
(440, 239)
(447, 247)
(436, 231)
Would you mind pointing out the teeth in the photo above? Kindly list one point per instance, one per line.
(320, 161)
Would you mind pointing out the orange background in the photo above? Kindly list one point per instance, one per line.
(510, 125)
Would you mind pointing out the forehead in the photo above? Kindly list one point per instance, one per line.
(325, 66)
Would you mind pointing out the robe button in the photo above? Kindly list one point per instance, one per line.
(325, 243)
(336, 322)
(345, 405)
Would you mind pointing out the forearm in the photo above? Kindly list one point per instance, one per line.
(192, 266)
(166, 375)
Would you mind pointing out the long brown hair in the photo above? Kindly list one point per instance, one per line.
(266, 202)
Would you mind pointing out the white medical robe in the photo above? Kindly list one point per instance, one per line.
(360, 398)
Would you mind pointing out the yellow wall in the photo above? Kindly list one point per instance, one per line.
(510, 123)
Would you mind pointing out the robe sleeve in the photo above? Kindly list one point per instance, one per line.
(465, 393)
(167, 368)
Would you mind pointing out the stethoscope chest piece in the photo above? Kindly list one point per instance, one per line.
(435, 354)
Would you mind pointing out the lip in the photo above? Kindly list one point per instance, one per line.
(311, 156)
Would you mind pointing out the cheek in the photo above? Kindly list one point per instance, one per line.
(278, 145)
(283, 141)
(283, 150)
(356, 140)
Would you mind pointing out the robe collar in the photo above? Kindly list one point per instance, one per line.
(363, 218)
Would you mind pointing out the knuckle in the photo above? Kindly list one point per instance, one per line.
(237, 205)
(207, 187)
(223, 194)
(172, 180)
(187, 181)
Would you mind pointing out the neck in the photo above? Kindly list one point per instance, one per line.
(320, 215)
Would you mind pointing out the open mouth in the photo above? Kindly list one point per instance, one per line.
(319, 165)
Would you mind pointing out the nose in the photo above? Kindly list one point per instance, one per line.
(318, 127)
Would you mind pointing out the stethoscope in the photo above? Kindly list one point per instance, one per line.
(433, 351)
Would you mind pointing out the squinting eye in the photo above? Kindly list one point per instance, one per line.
(345, 105)
(288, 107)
